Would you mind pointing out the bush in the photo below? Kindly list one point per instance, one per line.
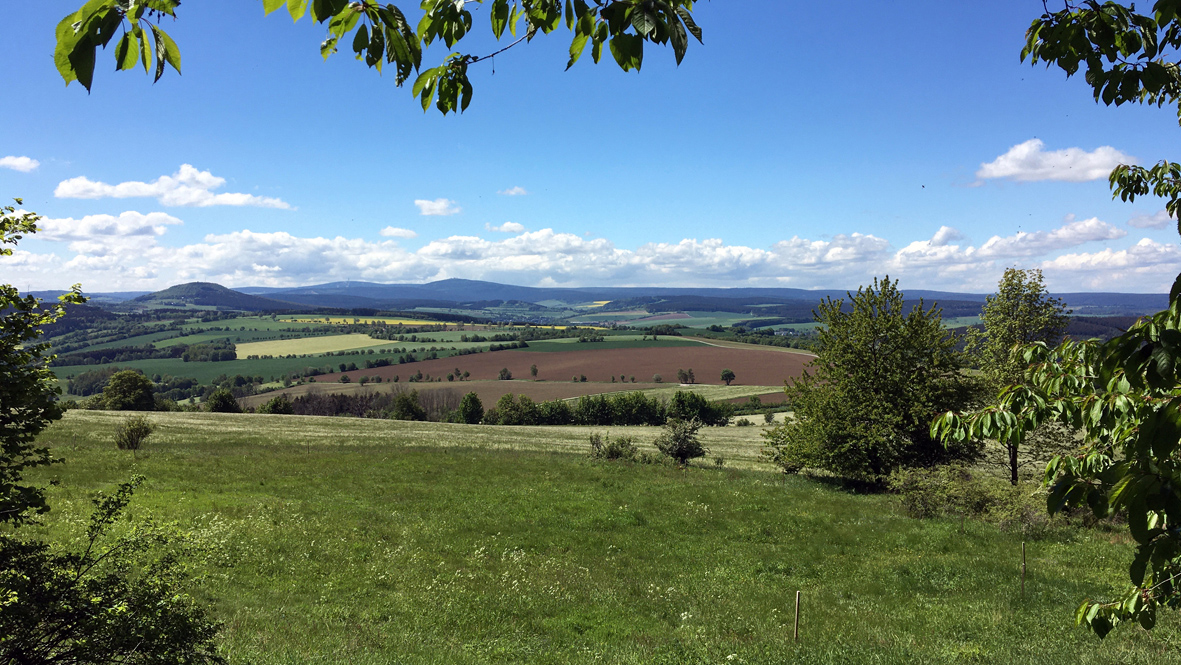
(278, 405)
(621, 448)
(954, 490)
(680, 441)
(504, 374)
(406, 406)
(656, 378)
(743, 422)
(132, 432)
(222, 401)
(769, 417)
(471, 410)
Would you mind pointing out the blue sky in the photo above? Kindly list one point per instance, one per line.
(804, 145)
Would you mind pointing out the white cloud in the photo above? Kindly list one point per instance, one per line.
(22, 164)
(513, 191)
(395, 232)
(1157, 220)
(439, 207)
(123, 252)
(1029, 162)
(507, 227)
(186, 187)
(1036, 243)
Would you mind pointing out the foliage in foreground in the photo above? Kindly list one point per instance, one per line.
(1125, 398)
(382, 34)
(118, 600)
(880, 376)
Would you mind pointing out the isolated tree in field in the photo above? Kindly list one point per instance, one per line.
(679, 440)
(1021, 312)
(222, 401)
(533, 371)
(381, 34)
(881, 375)
(505, 374)
(129, 391)
(728, 376)
(471, 410)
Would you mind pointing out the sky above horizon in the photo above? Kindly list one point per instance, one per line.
(809, 145)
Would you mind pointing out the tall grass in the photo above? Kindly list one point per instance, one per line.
(330, 540)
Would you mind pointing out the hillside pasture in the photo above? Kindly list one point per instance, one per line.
(336, 540)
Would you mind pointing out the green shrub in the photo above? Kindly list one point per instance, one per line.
(278, 405)
(954, 490)
(132, 432)
(621, 448)
(743, 422)
(406, 406)
(222, 401)
(471, 410)
(680, 441)
(769, 417)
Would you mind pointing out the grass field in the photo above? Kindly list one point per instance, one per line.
(353, 541)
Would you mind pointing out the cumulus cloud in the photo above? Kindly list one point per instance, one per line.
(186, 187)
(1029, 161)
(1071, 234)
(22, 164)
(439, 207)
(513, 191)
(395, 232)
(120, 252)
(1157, 220)
(507, 227)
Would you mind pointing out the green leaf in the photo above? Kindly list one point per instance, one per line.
(577, 46)
(678, 38)
(628, 51)
(127, 52)
(297, 8)
(269, 6)
(145, 48)
(361, 40)
(328, 46)
(160, 59)
(500, 17)
(688, 19)
(642, 21)
(171, 52)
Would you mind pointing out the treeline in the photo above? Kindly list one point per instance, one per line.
(448, 405)
(207, 352)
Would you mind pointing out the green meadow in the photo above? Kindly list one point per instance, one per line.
(337, 540)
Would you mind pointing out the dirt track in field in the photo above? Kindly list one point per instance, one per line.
(753, 366)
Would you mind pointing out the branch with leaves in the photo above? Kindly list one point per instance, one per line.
(382, 34)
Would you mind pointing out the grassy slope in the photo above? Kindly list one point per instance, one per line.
(339, 540)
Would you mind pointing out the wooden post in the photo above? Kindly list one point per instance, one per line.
(1023, 569)
(796, 633)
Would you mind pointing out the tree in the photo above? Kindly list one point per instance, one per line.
(533, 371)
(728, 376)
(1021, 312)
(278, 404)
(28, 389)
(129, 391)
(881, 375)
(471, 410)
(382, 34)
(1123, 394)
(505, 374)
(222, 401)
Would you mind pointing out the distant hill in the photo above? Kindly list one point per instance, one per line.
(207, 294)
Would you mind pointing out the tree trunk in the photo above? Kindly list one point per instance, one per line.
(1013, 464)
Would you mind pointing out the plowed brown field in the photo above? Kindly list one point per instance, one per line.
(753, 366)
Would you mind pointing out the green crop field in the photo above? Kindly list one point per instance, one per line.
(327, 540)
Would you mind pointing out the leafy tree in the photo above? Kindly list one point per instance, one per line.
(728, 376)
(28, 389)
(382, 34)
(407, 407)
(881, 375)
(1021, 312)
(222, 401)
(129, 391)
(471, 410)
(680, 441)
(533, 371)
(1123, 394)
(505, 374)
